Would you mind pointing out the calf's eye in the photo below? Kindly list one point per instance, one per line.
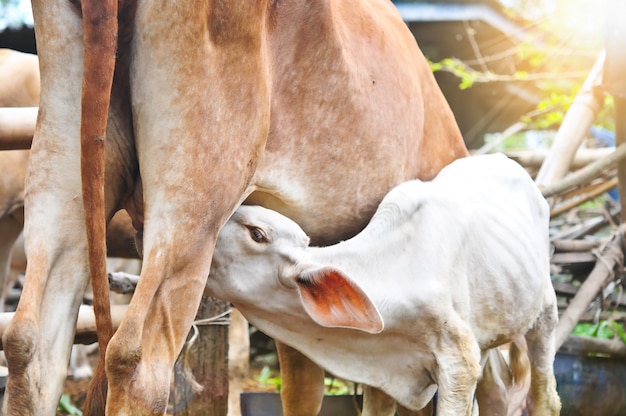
(257, 234)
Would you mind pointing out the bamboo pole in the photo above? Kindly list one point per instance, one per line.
(575, 245)
(534, 158)
(584, 345)
(85, 326)
(613, 81)
(585, 174)
(594, 192)
(17, 126)
(603, 272)
(575, 126)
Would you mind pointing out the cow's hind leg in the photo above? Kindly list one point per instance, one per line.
(543, 399)
(37, 343)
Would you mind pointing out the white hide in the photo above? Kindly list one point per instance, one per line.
(454, 267)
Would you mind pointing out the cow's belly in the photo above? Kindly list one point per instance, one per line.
(331, 208)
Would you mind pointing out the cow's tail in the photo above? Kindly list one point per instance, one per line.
(100, 43)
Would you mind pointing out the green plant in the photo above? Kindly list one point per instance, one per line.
(333, 386)
(268, 377)
(66, 407)
(605, 329)
(553, 60)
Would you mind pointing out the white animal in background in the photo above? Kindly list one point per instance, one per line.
(445, 271)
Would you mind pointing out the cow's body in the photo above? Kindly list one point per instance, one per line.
(444, 272)
(354, 111)
(19, 87)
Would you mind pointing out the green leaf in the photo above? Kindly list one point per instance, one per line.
(264, 375)
(521, 74)
(618, 330)
(435, 66)
(65, 405)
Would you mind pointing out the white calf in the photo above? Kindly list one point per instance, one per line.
(445, 271)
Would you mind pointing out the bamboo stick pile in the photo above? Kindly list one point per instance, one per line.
(588, 240)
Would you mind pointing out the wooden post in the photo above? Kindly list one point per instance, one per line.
(207, 358)
(17, 126)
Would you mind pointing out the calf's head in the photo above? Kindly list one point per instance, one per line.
(261, 262)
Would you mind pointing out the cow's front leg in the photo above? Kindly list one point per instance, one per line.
(197, 149)
(302, 389)
(458, 369)
(543, 397)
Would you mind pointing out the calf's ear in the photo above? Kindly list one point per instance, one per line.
(334, 300)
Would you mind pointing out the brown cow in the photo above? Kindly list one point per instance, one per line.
(313, 108)
(19, 87)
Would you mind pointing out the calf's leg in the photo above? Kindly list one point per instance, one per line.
(543, 398)
(458, 360)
